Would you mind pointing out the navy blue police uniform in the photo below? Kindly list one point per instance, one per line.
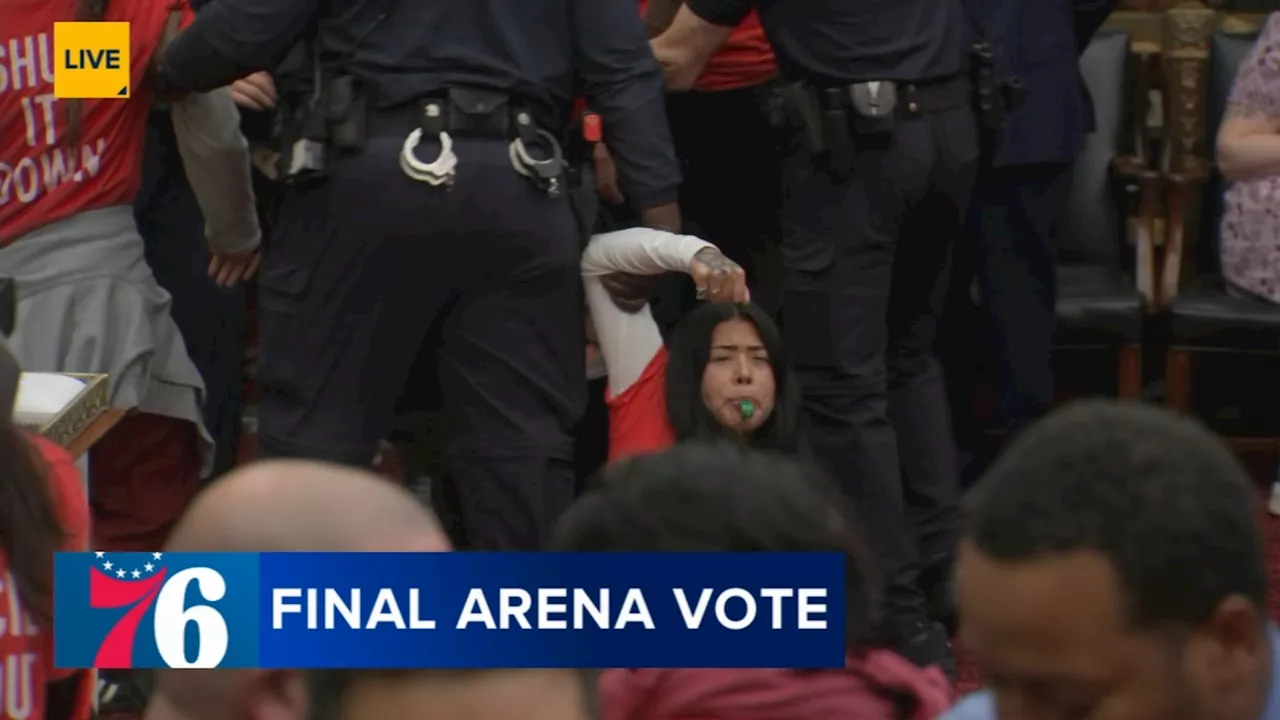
(1020, 198)
(883, 150)
(445, 213)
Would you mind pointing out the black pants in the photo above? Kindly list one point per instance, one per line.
(732, 178)
(364, 264)
(1011, 219)
(866, 267)
(212, 319)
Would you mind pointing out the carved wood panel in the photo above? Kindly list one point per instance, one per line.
(1185, 56)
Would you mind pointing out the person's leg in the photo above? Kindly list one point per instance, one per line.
(839, 243)
(212, 319)
(732, 188)
(353, 281)
(142, 475)
(1013, 221)
(513, 364)
(917, 395)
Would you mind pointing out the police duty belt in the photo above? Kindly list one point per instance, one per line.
(544, 172)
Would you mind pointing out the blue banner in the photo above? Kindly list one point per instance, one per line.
(448, 610)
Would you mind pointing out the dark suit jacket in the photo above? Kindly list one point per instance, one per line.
(1040, 42)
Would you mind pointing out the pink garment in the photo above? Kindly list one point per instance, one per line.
(876, 686)
(1250, 236)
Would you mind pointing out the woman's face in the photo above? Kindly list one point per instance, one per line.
(738, 371)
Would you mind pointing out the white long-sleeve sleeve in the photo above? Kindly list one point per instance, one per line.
(628, 342)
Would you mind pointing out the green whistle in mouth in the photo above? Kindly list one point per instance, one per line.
(747, 408)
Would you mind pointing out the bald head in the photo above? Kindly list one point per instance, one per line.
(282, 506)
(297, 505)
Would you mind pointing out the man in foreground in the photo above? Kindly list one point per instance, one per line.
(1111, 566)
(309, 506)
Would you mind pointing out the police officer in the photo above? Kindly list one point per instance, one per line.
(1022, 192)
(432, 199)
(879, 111)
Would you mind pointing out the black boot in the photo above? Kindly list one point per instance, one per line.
(921, 641)
(937, 584)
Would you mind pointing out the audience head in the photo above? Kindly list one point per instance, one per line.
(452, 694)
(284, 506)
(1111, 566)
(30, 530)
(721, 498)
(722, 356)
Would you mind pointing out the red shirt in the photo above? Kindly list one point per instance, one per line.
(25, 648)
(45, 175)
(745, 59)
(638, 419)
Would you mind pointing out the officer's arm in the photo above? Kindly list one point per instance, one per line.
(699, 29)
(1089, 16)
(623, 84)
(233, 38)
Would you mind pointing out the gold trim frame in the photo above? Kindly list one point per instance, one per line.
(81, 412)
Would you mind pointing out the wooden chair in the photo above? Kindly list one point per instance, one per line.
(1202, 316)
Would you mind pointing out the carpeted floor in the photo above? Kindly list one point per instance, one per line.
(967, 675)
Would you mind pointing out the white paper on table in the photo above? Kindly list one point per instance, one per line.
(41, 396)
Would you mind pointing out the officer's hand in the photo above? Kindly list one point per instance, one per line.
(255, 92)
(718, 278)
(630, 292)
(606, 176)
(227, 269)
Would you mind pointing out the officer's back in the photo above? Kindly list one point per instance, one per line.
(429, 197)
(867, 40)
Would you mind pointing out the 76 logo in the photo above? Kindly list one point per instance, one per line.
(170, 620)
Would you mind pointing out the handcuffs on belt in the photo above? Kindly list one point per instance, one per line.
(545, 172)
(444, 169)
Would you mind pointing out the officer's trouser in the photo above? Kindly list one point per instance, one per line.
(361, 268)
(865, 275)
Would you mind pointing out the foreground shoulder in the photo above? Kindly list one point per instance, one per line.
(976, 706)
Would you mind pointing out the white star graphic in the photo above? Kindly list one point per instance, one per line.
(156, 555)
(120, 573)
(149, 567)
(107, 565)
(136, 574)
(99, 555)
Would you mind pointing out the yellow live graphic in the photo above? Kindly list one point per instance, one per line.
(91, 60)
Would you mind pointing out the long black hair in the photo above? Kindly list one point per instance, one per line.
(723, 497)
(30, 530)
(690, 350)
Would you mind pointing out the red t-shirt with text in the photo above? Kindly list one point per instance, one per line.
(45, 175)
(638, 419)
(26, 650)
(745, 59)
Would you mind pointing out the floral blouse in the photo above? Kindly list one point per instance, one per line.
(1250, 239)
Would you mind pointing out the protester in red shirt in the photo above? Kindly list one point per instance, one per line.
(88, 302)
(725, 372)
(709, 498)
(43, 509)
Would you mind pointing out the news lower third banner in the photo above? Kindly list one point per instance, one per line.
(448, 610)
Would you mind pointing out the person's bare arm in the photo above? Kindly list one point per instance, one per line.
(685, 47)
(659, 14)
(1249, 139)
(1249, 143)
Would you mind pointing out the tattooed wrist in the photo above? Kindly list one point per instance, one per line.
(714, 259)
